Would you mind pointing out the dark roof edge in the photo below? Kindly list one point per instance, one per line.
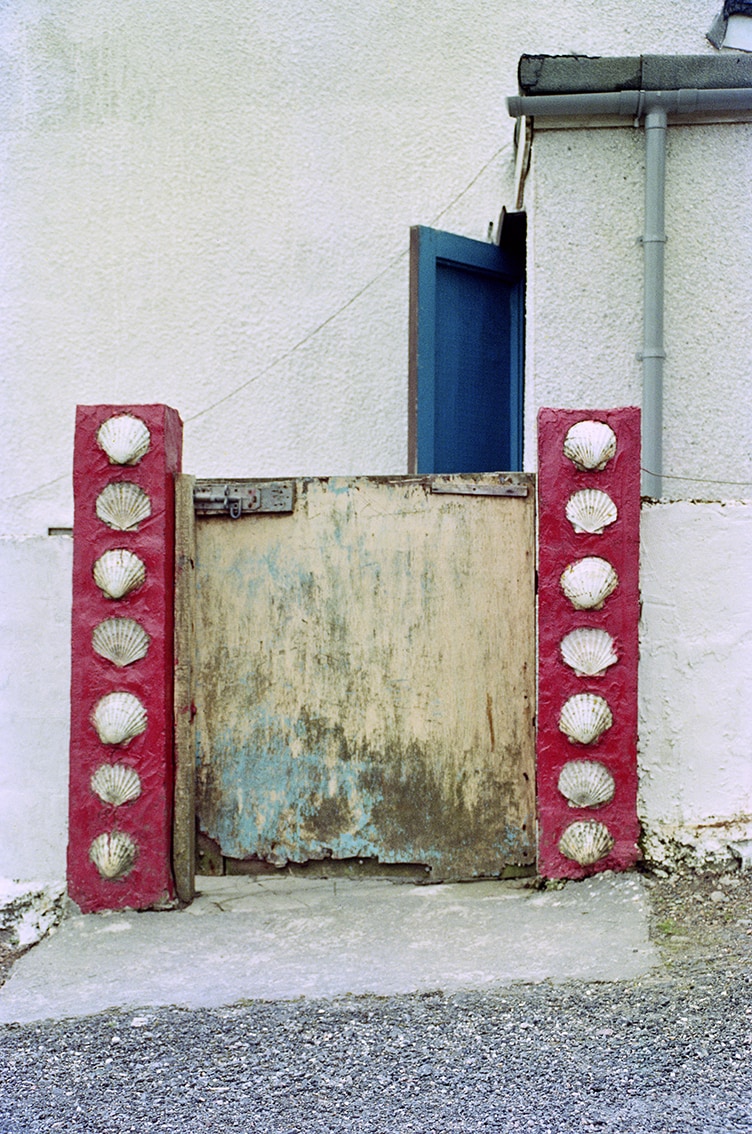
(582, 74)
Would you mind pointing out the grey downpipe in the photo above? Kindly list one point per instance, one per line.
(653, 352)
(655, 106)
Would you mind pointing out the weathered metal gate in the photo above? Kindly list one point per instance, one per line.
(363, 671)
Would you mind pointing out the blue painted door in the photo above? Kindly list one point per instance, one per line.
(466, 356)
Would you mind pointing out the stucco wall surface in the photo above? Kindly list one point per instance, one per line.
(585, 200)
(35, 581)
(696, 657)
(190, 193)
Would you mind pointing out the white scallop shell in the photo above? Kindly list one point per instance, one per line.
(118, 717)
(585, 717)
(591, 511)
(122, 506)
(588, 651)
(116, 784)
(586, 783)
(586, 842)
(120, 640)
(119, 572)
(588, 582)
(113, 854)
(124, 438)
(590, 445)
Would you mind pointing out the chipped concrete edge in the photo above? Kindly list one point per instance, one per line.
(706, 846)
(29, 910)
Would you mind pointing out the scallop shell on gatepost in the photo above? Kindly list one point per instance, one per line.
(118, 717)
(116, 784)
(588, 582)
(113, 853)
(123, 506)
(120, 640)
(586, 783)
(591, 511)
(586, 842)
(119, 572)
(124, 438)
(590, 445)
(589, 651)
(585, 717)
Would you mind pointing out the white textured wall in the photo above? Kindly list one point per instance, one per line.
(191, 190)
(708, 409)
(585, 200)
(696, 659)
(35, 576)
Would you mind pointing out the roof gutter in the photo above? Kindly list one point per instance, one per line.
(633, 104)
(654, 107)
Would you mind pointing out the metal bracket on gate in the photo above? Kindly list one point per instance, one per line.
(506, 486)
(242, 497)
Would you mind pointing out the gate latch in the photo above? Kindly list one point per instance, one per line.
(242, 497)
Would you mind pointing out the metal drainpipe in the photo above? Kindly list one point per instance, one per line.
(653, 352)
(655, 106)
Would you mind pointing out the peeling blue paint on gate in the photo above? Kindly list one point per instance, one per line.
(351, 660)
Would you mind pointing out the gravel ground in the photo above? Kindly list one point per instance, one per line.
(671, 1052)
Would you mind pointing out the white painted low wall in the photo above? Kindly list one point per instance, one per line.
(35, 581)
(696, 658)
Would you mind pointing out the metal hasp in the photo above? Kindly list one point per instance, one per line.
(649, 88)
(506, 486)
(242, 497)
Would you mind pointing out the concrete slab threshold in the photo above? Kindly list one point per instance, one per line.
(284, 938)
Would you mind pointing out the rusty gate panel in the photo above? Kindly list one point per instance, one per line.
(364, 675)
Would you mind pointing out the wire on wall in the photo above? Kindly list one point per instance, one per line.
(343, 307)
(698, 479)
(339, 311)
(314, 331)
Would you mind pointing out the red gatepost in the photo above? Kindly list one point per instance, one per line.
(126, 459)
(588, 611)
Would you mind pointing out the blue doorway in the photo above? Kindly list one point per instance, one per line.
(466, 352)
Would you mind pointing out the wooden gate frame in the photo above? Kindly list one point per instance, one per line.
(132, 827)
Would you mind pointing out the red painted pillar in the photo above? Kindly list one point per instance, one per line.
(588, 610)
(121, 753)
